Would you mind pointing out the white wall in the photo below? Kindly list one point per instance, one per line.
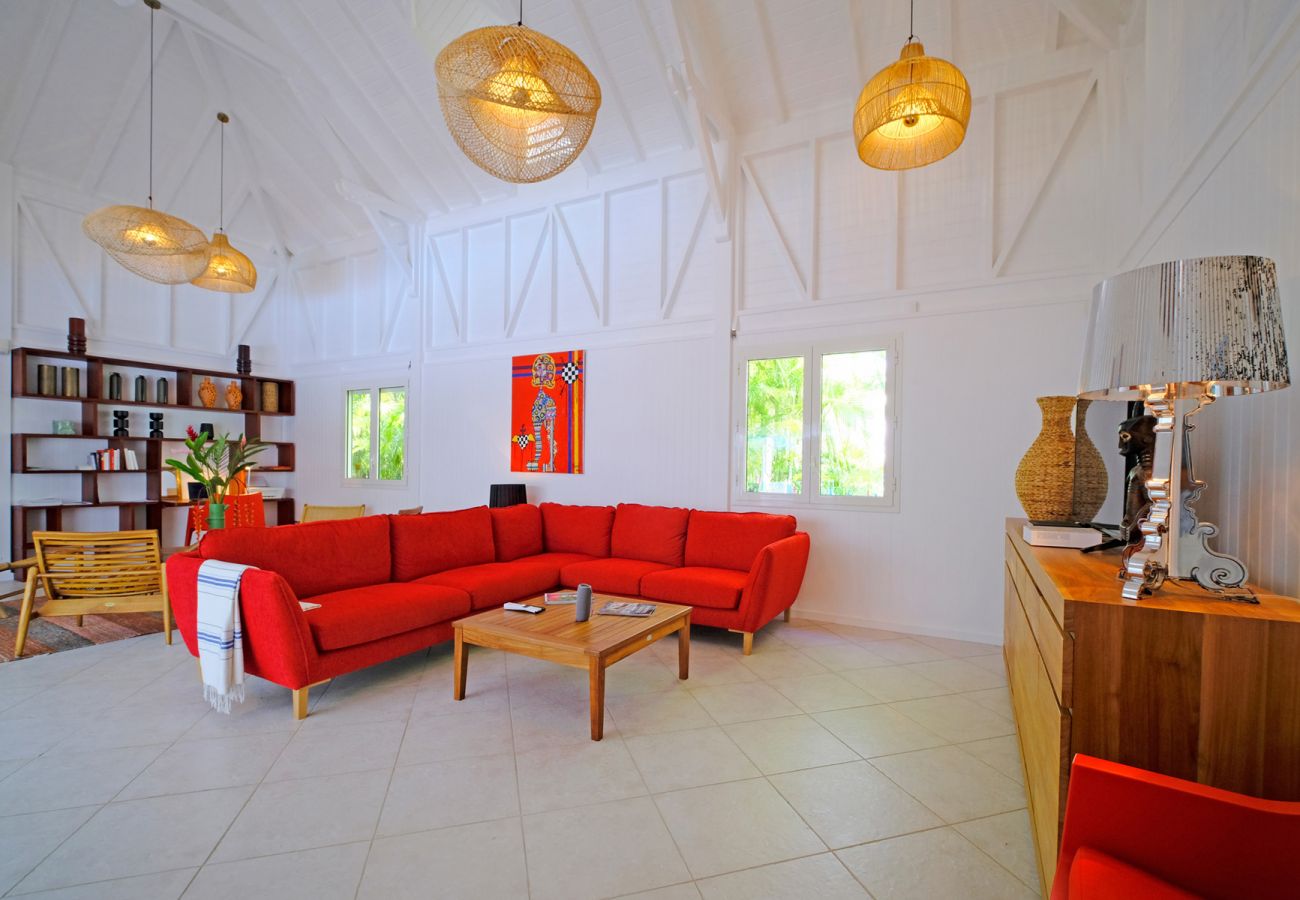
(1181, 142)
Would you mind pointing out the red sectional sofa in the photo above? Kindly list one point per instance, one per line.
(390, 585)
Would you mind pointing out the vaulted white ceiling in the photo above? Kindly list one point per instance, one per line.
(335, 118)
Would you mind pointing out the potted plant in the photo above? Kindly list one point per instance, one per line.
(215, 463)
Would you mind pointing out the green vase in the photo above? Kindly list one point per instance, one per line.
(216, 515)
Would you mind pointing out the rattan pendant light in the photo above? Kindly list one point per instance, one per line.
(519, 104)
(912, 113)
(152, 244)
(228, 270)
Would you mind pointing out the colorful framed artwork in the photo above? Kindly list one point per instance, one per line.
(548, 393)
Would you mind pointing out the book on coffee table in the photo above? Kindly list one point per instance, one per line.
(617, 608)
(560, 598)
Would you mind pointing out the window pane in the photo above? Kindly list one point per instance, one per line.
(774, 425)
(392, 434)
(358, 462)
(854, 427)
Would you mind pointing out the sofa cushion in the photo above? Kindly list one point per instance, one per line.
(314, 558)
(577, 529)
(360, 615)
(496, 583)
(653, 533)
(609, 576)
(1099, 876)
(696, 586)
(435, 542)
(517, 531)
(731, 540)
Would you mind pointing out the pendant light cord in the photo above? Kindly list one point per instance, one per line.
(151, 17)
(221, 183)
(911, 22)
(521, 13)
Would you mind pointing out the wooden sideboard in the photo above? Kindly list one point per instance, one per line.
(1179, 683)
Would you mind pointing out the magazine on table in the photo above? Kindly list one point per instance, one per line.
(620, 608)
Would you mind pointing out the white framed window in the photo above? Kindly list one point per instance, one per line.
(374, 435)
(816, 423)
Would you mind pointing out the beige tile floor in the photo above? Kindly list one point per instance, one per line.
(834, 762)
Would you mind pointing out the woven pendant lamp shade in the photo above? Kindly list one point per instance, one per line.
(519, 104)
(227, 269)
(912, 113)
(152, 244)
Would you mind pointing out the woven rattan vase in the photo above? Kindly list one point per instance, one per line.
(1045, 476)
(519, 104)
(1090, 479)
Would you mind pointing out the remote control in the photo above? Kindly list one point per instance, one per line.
(523, 607)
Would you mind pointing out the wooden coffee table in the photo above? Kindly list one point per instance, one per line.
(594, 645)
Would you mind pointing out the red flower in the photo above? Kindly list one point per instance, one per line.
(191, 433)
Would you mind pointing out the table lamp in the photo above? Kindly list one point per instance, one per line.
(507, 495)
(1178, 336)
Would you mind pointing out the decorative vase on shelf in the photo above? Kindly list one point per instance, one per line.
(216, 515)
(1045, 476)
(270, 396)
(115, 386)
(1090, 481)
(162, 393)
(71, 382)
(141, 389)
(208, 393)
(234, 396)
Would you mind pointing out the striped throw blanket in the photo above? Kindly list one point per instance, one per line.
(220, 639)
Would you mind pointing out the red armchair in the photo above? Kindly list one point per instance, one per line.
(1130, 833)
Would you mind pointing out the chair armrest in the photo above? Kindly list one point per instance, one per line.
(277, 640)
(17, 564)
(1211, 842)
(774, 580)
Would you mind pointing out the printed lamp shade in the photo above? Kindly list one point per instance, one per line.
(913, 112)
(1210, 327)
(227, 269)
(152, 244)
(520, 105)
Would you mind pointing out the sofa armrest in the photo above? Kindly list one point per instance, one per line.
(277, 641)
(1209, 841)
(774, 580)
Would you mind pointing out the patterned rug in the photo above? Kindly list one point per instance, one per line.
(62, 632)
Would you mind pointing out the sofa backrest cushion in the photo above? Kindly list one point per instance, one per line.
(728, 540)
(438, 541)
(653, 533)
(517, 531)
(315, 557)
(577, 529)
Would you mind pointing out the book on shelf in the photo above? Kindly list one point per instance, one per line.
(1076, 535)
(619, 608)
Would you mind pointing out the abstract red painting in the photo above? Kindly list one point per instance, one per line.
(547, 398)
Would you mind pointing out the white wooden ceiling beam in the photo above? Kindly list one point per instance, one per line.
(134, 84)
(35, 70)
(665, 79)
(1093, 20)
(1036, 195)
(610, 83)
(454, 161)
(770, 64)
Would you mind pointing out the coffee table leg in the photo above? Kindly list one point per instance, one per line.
(684, 651)
(462, 663)
(596, 669)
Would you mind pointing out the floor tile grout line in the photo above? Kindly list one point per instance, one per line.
(519, 798)
(82, 884)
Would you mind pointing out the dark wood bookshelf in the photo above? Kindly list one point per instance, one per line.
(146, 511)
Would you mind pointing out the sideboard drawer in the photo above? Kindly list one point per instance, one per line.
(1054, 646)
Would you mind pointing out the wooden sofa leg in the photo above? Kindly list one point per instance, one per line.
(749, 642)
(786, 614)
(300, 702)
(25, 616)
